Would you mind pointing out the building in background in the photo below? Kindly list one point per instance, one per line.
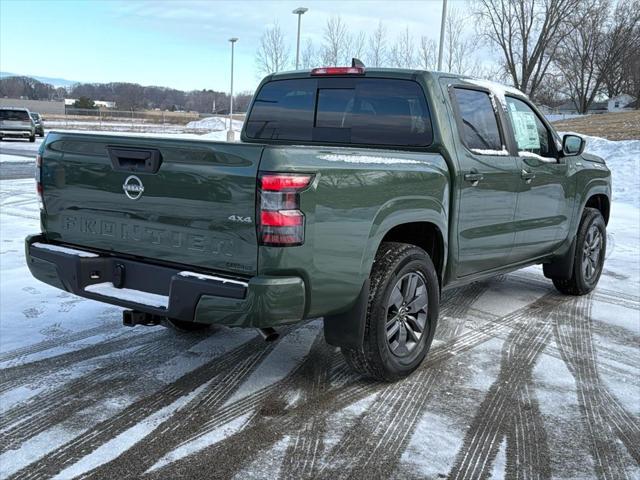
(620, 103)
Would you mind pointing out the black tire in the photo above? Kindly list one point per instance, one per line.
(377, 358)
(584, 278)
(41, 134)
(183, 326)
(32, 138)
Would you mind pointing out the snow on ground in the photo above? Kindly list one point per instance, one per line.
(215, 123)
(623, 159)
(6, 158)
(518, 378)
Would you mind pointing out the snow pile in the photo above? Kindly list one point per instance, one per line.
(623, 159)
(214, 124)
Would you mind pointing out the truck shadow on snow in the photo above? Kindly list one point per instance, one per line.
(224, 404)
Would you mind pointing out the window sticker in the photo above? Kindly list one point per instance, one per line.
(525, 130)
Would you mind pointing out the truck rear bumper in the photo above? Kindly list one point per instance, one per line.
(262, 301)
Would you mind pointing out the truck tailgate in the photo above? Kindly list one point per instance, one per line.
(183, 201)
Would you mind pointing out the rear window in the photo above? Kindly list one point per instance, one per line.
(480, 127)
(342, 110)
(15, 115)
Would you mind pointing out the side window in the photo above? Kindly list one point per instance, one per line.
(480, 131)
(531, 134)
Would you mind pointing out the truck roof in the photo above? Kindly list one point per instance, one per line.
(407, 73)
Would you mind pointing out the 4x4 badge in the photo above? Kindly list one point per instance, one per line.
(133, 187)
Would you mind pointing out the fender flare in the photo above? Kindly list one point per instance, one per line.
(346, 329)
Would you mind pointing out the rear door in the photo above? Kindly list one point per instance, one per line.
(487, 178)
(178, 201)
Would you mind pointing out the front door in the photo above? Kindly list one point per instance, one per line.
(543, 211)
(488, 179)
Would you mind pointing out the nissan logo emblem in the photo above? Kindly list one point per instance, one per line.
(133, 187)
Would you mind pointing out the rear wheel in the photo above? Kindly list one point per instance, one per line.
(591, 246)
(184, 326)
(402, 313)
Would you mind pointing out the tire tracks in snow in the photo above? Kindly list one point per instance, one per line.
(272, 429)
(510, 409)
(43, 411)
(57, 342)
(179, 427)
(605, 420)
(389, 422)
(29, 373)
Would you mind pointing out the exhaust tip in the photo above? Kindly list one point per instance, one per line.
(268, 334)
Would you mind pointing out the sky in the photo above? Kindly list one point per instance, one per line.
(178, 44)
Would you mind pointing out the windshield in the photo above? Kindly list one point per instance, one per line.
(35, 116)
(15, 115)
(367, 111)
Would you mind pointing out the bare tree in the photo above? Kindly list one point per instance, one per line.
(336, 39)
(596, 57)
(528, 33)
(273, 52)
(403, 51)
(620, 58)
(579, 55)
(459, 47)
(357, 46)
(427, 53)
(309, 56)
(377, 48)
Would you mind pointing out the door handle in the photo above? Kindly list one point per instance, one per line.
(527, 176)
(473, 177)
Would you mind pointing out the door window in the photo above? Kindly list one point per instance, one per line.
(480, 131)
(530, 133)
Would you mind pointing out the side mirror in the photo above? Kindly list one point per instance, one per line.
(572, 145)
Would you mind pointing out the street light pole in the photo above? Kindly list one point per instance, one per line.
(442, 28)
(230, 131)
(299, 11)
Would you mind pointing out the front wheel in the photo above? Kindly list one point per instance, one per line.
(32, 138)
(402, 313)
(591, 245)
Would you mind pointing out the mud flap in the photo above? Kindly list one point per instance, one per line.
(346, 329)
(562, 267)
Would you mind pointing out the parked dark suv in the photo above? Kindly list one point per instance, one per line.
(17, 122)
(39, 123)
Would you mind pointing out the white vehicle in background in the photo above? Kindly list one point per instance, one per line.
(16, 123)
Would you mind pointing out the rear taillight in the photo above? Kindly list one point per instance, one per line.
(39, 189)
(281, 223)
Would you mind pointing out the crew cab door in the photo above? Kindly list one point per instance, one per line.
(487, 181)
(543, 210)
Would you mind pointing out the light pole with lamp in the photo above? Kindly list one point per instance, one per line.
(299, 11)
(230, 131)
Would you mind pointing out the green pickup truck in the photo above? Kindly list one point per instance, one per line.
(357, 195)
